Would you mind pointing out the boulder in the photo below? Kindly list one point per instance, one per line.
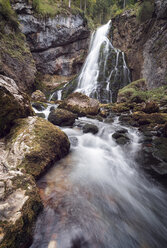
(13, 104)
(62, 117)
(39, 106)
(120, 137)
(151, 107)
(90, 128)
(38, 96)
(32, 145)
(80, 104)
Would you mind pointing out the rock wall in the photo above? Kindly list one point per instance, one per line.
(144, 44)
(58, 44)
(16, 60)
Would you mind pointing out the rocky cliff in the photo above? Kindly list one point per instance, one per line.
(16, 60)
(144, 44)
(58, 44)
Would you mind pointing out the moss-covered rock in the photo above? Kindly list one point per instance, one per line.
(13, 104)
(31, 146)
(133, 92)
(38, 96)
(62, 117)
(80, 104)
(38, 143)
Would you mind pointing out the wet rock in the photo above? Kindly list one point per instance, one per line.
(153, 157)
(13, 104)
(80, 104)
(39, 106)
(38, 96)
(120, 137)
(42, 115)
(62, 117)
(52, 108)
(151, 107)
(90, 128)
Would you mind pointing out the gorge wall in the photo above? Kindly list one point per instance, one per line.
(144, 44)
(58, 44)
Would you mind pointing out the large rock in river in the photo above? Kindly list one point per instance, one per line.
(32, 145)
(13, 104)
(80, 104)
(62, 117)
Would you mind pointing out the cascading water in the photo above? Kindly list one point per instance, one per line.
(97, 197)
(104, 71)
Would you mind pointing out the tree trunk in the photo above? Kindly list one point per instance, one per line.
(69, 4)
(80, 4)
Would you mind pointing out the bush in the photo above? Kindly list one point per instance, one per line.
(145, 11)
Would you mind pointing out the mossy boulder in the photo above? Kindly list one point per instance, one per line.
(80, 104)
(38, 144)
(133, 92)
(38, 96)
(121, 137)
(62, 117)
(13, 104)
(32, 145)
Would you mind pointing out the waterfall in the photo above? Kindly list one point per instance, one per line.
(105, 70)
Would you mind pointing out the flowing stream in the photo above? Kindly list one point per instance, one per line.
(97, 197)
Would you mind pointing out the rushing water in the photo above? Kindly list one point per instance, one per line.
(104, 67)
(97, 197)
(104, 72)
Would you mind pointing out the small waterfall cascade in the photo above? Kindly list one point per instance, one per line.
(105, 70)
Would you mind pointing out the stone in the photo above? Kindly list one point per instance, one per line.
(39, 106)
(42, 115)
(38, 96)
(13, 104)
(151, 107)
(90, 128)
(80, 104)
(62, 117)
(121, 137)
(32, 145)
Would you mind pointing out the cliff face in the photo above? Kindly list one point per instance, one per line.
(16, 60)
(144, 44)
(58, 44)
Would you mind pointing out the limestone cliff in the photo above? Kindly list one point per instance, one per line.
(58, 44)
(144, 44)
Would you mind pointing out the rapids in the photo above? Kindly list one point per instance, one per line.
(97, 196)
